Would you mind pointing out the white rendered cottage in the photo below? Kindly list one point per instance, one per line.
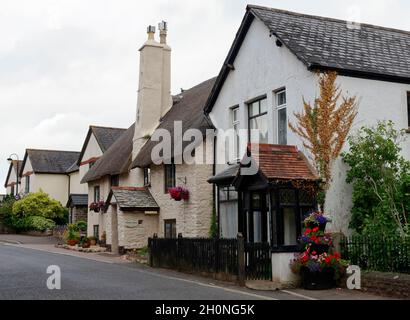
(272, 65)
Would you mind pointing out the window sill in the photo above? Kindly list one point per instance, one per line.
(407, 130)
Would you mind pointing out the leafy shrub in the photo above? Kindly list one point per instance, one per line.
(40, 223)
(39, 204)
(81, 226)
(381, 181)
(6, 211)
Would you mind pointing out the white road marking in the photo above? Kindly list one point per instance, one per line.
(155, 274)
(299, 295)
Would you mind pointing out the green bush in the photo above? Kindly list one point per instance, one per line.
(36, 211)
(81, 226)
(6, 211)
(40, 223)
(381, 181)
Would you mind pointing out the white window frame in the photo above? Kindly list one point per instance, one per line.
(235, 124)
(280, 107)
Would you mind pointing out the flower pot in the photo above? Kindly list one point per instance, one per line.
(318, 280)
(96, 210)
(321, 226)
(319, 248)
(72, 243)
(86, 245)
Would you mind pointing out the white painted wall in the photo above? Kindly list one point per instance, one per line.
(75, 186)
(12, 180)
(262, 68)
(55, 185)
(92, 150)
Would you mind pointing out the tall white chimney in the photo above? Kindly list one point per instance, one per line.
(154, 92)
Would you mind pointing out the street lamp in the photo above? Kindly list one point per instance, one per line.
(10, 159)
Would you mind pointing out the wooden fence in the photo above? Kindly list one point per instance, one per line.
(224, 259)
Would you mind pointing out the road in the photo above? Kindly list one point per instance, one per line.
(23, 275)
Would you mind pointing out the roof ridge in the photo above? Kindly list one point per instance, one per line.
(104, 127)
(66, 151)
(251, 6)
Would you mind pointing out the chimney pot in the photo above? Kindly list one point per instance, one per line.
(151, 32)
(163, 28)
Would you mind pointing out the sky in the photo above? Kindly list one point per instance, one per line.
(67, 64)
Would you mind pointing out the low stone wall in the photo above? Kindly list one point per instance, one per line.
(5, 230)
(387, 284)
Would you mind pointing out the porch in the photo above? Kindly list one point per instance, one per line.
(265, 197)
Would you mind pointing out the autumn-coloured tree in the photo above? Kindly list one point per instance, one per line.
(324, 126)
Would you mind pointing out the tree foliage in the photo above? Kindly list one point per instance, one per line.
(39, 204)
(36, 211)
(324, 126)
(381, 181)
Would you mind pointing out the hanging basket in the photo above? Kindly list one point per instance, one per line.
(179, 194)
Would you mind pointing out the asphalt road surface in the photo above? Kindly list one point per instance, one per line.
(23, 275)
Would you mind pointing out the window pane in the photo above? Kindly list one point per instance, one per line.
(229, 219)
(287, 197)
(282, 127)
(289, 226)
(281, 98)
(223, 194)
(256, 201)
(257, 227)
(260, 124)
(254, 109)
(235, 115)
(263, 106)
(408, 107)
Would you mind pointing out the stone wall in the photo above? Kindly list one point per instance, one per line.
(193, 217)
(134, 229)
(387, 284)
(80, 214)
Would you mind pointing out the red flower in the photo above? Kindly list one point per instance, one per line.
(316, 229)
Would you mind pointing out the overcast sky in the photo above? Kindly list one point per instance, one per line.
(67, 64)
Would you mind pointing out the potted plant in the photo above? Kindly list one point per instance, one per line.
(316, 240)
(316, 219)
(85, 243)
(179, 193)
(93, 240)
(318, 268)
(71, 237)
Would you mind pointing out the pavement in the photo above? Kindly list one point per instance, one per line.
(89, 276)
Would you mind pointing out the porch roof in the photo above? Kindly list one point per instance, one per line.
(77, 200)
(130, 198)
(275, 162)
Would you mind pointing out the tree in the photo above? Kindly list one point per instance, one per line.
(324, 126)
(381, 181)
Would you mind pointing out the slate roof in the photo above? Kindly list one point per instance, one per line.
(105, 137)
(77, 200)
(321, 43)
(275, 162)
(116, 160)
(188, 108)
(13, 166)
(50, 161)
(226, 176)
(73, 168)
(129, 198)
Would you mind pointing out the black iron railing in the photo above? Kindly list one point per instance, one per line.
(382, 254)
